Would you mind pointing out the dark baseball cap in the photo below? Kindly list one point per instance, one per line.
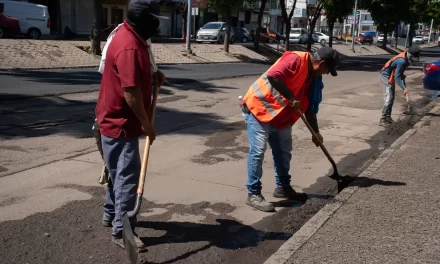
(150, 6)
(414, 51)
(331, 58)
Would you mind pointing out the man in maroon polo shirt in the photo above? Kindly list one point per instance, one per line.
(123, 110)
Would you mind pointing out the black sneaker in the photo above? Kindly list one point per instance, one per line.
(107, 222)
(258, 202)
(289, 193)
(385, 122)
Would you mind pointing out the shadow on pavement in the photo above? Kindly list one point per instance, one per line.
(77, 77)
(226, 234)
(43, 116)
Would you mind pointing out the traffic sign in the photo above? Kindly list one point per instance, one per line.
(358, 12)
(200, 3)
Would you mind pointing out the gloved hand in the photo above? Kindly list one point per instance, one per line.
(318, 141)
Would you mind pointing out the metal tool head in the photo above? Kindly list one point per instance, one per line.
(129, 242)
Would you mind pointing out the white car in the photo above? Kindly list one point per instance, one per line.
(381, 37)
(214, 32)
(34, 19)
(418, 39)
(298, 35)
(321, 38)
(426, 37)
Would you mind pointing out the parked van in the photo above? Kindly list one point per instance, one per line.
(34, 19)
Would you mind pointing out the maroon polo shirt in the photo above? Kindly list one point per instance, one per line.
(127, 65)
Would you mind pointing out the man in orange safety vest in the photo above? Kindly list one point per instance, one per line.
(391, 74)
(294, 81)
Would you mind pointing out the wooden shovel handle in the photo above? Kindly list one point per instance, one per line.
(146, 154)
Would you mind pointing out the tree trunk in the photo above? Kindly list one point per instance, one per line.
(183, 25)
(410, 36)
(95, 47)
(330, 28)
(385, 37)
(309, 37)
(258, 30)
(287, 44)
(228, 31)
(397, 35)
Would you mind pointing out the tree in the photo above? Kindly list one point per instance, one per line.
(287, 20)
(95, 45)
(226, 8)
(258, 29)
(313, 13)
(336, 10)
(182, 9)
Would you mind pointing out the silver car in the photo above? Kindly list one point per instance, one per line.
(214, 32)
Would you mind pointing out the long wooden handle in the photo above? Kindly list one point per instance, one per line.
(316, 136)
(146, 154)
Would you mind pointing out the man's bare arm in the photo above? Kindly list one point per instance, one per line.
(133, 97)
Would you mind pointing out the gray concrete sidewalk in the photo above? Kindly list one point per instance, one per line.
(388, 215)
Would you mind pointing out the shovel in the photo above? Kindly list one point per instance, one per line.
(127, 233)
(342, 181)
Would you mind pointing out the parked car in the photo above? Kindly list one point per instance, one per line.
(438, 41)
(242, 34)
(214, 32)
(320, 37)
(298, 35)
(382, 36)
(34, 19)
(425, 37)
(372, 34)
(431, 79)
(363, 39)
(418, 39)
(9, 26)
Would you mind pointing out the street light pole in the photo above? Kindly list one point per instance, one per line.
(188, 26)
(354, 23)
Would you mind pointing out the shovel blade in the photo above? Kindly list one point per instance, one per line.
(129, 242)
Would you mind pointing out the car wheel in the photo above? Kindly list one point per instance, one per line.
(323, 41)
(244, 39)
(232, 41)
(1, 33)
(34, 33)
(220, 40)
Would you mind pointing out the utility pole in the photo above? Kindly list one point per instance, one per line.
(430, 31)
(188, 26)
(354, 23)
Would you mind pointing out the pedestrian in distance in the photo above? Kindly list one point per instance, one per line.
(294, 81)
(392, 73)
(123, 108)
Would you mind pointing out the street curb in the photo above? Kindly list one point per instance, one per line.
(318, 220)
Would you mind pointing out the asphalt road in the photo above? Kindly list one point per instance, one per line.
(54, 82)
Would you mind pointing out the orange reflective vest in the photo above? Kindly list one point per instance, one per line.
(265, 102)
(401, 55)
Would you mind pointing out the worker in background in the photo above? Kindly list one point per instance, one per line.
(294, 81)
(392, 73)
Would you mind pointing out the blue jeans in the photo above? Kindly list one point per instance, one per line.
(280, 141)
(124, 164)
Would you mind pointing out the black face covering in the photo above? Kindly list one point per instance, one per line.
(143, 22)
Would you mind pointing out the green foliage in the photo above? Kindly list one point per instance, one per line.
(336, 10)
(227, 6)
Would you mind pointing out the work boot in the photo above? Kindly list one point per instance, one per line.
(385, 122)
(389, 119)
(258, 202)
(140, 245)
(289, 193)
(119, 241)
